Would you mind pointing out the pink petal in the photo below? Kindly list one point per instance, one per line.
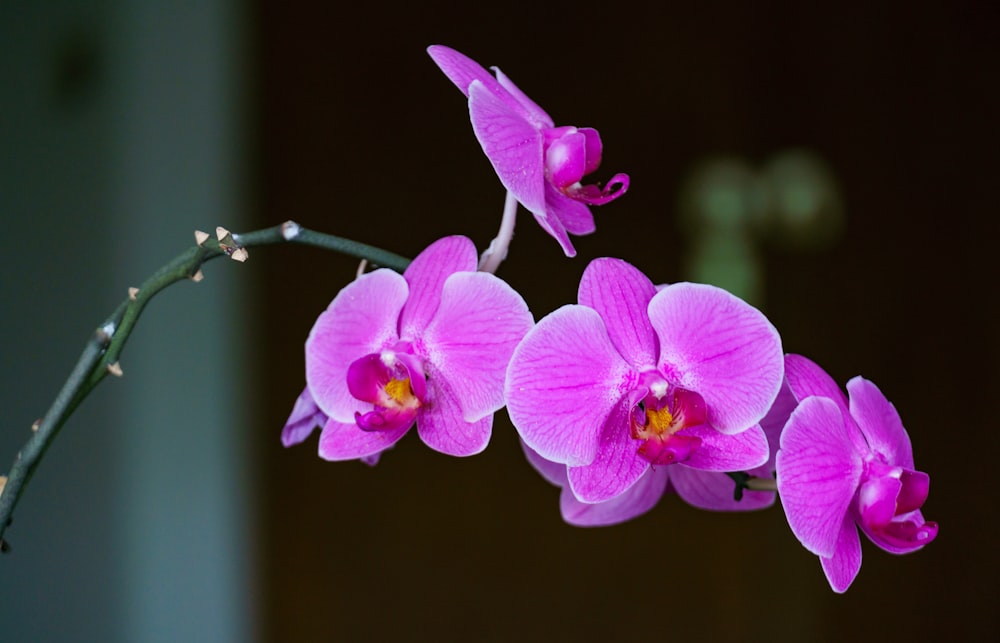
(304, 419)
(566, 158)
(818, 474)
(512, 144)
(361, 319)
(878, 420)
(594, 149)
(721, 347)
(553, 472)
(715, 491)
(620, 293)
(463, 71)
(617, 465)
(535, 113)
(564, 379)
(721, 452)
(441, 426)
(426, 275)
(343, 441)
(842, 568)
(571, 216)
(480, 321)
(637, 500)
(805, 378)
(774, 423)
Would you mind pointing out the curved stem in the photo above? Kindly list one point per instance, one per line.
(746, 482)
(100, 355)
(497, 252)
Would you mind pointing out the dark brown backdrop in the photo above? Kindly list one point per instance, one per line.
(360, 135)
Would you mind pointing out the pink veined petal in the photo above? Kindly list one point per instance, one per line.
(879, 421)
(617, 466)
(563, 381)
(426, 275)
(714, 491)
(565, 159)
(805, 378)
(362, 319)
(843, 566)
(512, 144)
(721, 347)
(594, 149)
(345, 441)
(553, 472)
(463, 71)
(721, 452)
(304, 419)
(535, 113)
(774, 422)
(818, 473)
(480, 321)
(441, 426)
(573, 217)
(620, 293)
(637, 500)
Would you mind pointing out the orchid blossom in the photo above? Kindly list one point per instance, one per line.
(631, 381)
(430, 346)
(540, 164)
(846, 463)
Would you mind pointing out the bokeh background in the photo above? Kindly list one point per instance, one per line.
(835, 164)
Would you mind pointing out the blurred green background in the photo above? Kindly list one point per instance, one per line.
(835, 164)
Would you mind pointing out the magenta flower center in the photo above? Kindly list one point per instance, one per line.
(393, 381)
(660, 418)
(888, 500)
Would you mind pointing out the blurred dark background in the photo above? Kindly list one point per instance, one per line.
(889, 112)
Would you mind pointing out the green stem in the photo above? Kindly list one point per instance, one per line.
(746, 482)
(101, 353)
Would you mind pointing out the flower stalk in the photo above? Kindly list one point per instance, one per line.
(101, 354)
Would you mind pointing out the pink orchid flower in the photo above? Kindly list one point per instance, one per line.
(846, 463)
(540, 164)
(430, 347)
(631, 381)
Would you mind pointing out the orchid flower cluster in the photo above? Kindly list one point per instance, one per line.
(634, 391)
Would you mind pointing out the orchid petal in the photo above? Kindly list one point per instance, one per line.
(426, 275)
(879, 421)
(480, 321)
(571, 216)
(635, 501)
(721, 452)
(843, 566)
(621, 293)
(361, 319)
(513, 146)
(593, 148)
(818, 473)
(304, 419)
(716, 344)
(595, 195)
(563, 381)
(346, 441)
(463, 71)
(617, 465)
(553, 472)
(805, 378)
(565, 159)
(715, 491)
(441, 426)
(535, 113)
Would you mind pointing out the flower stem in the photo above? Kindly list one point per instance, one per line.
(746, 482)
(101, 353)
(497, 252)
